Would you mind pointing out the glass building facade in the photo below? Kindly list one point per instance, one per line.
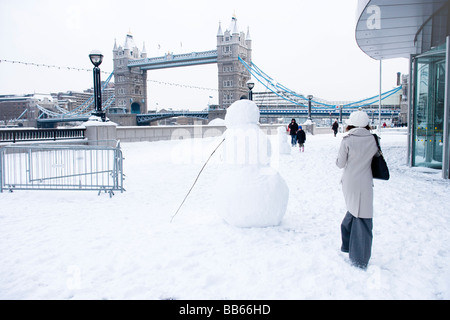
(429, 120)
(420, 31)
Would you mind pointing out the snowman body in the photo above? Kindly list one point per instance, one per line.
(250, 193)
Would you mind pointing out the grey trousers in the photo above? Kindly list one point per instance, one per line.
(357, 239)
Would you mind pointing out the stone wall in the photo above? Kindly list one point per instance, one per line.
(157, 133)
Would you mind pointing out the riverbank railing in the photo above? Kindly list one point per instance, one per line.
(24, 135)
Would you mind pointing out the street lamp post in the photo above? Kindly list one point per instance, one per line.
(310, 97)
(250, 86)
(97, 59)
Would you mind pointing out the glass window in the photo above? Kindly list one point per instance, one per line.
(428, 113)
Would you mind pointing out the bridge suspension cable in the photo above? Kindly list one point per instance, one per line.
(293, 97)
(88, 103)
(83, 110)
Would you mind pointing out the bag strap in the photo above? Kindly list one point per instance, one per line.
(378, 144)
(376, 140)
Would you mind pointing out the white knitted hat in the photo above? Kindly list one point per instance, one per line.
(358, 119)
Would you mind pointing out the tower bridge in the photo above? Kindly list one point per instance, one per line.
(131, 65)
(233, 56)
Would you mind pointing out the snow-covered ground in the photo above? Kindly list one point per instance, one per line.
(78, 245)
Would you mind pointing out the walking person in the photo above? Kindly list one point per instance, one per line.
(293, 127)
(357, 149)
(301, 138)
(335, 127)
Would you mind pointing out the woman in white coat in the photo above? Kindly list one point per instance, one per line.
(357, 149)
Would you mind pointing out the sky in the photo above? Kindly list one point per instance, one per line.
(308, 46)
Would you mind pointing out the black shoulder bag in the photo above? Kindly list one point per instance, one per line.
(380, 169)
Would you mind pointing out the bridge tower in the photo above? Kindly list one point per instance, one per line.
(130, 83)
(233, 76)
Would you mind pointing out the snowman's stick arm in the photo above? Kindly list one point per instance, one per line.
(197, 179)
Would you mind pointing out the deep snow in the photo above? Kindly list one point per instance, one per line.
(77, 245)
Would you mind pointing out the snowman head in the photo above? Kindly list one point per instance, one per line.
(242, 113)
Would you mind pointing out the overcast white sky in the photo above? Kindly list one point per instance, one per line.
(308, 46)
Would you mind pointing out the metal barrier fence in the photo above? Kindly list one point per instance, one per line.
(42, 167)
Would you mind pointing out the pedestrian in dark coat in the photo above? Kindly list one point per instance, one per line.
(293, 127)
(301, 138)
(335, 127)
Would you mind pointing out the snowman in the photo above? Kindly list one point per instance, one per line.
(250, 193)
(284, 145)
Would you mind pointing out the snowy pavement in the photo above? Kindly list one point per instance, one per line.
(78, 245)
